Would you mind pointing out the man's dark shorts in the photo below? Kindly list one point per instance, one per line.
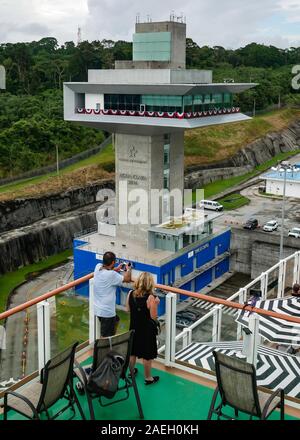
(109, 326)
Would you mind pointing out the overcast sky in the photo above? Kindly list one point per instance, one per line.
(228, 23)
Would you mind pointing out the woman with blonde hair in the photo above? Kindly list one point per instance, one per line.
(142, 304)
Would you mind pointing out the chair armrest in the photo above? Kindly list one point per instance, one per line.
(20, 396)
(80, 373)
(279, 392)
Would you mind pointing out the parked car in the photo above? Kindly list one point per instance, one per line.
(210, 205)
(252, 223)
(183, 322)
(295, 232)
(271, 226)
(185, 318)
(188, 315)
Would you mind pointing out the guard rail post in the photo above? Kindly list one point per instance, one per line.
(43, 327)
(171, 301)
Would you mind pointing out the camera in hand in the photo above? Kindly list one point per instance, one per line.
(124, 266)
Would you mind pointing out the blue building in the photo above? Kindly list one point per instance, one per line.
(191, 269)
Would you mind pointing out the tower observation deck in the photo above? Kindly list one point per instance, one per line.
(148, 103)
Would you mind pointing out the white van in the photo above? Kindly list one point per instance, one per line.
(212, 206)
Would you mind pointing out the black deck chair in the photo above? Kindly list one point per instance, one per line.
(121, 344)
(56, 382)
(237, 387)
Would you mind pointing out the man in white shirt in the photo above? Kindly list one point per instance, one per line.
(106, 280)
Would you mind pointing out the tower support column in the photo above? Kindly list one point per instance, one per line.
(146, 165)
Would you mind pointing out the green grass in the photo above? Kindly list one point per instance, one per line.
(234, 201)
(205, 145)
(215, 188)
(105, 157)
(219, 186)
(213, 144)
(11, 280)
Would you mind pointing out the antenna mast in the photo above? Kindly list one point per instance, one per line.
(79, 36)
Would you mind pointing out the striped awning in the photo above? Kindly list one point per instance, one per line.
(274, 329)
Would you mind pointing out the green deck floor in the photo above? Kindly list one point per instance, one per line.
(172, 398)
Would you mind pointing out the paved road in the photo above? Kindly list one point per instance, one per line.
(263, 209)
(20, 357)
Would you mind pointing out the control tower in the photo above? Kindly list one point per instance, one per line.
(148, 103)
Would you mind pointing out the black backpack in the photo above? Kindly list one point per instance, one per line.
(105, 379)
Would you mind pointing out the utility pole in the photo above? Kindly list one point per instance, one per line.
(254, 107)
(283, 214)
(279, 101)
(57, 161)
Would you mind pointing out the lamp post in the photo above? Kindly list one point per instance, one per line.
(285, 168)
(57, 161)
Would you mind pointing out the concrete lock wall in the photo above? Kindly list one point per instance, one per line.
(254, 252)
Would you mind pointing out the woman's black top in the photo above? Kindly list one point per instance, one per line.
(144, 341)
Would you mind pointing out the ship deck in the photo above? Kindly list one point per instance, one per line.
(177, 396)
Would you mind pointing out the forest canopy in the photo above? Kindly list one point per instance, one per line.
(31, 110)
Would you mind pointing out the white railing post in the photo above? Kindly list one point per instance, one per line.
(281, 279)
(217, 324)
(43, 327)
(170, 328)
(242, 300)
(94, 324)
(186, 337)
(264, 281)
(251, 340)
(296, 278)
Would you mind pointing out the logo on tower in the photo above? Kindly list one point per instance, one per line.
(132, 152)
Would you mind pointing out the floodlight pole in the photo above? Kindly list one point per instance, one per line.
(283, 215)
(57, 160)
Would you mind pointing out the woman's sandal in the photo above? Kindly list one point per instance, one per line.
(151, 382)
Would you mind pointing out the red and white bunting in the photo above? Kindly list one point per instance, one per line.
(169, 115)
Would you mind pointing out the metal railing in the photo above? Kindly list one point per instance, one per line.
(168, 350)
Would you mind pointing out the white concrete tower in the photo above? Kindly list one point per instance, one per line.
(147, 104)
